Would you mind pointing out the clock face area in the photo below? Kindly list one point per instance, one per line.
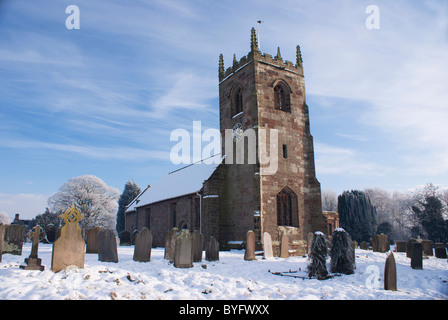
(237, 131)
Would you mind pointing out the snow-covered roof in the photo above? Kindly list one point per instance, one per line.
(181, 182)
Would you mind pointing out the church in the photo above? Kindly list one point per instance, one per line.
(224, 199)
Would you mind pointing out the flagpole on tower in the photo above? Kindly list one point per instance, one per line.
(258, 34)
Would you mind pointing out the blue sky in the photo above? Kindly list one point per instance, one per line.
(103, 100)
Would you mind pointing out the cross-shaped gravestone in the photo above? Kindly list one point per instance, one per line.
(33, 262)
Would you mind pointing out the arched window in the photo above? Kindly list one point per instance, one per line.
(287, 208)
(237, 101)
(282, 97)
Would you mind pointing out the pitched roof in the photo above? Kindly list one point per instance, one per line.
(181, 182)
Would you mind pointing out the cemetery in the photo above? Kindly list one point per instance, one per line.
(193, 268)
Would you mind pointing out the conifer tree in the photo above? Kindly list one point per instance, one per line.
(341, 253)
(130, 192)
(318, 255)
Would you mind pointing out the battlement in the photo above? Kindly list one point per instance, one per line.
(256, 55)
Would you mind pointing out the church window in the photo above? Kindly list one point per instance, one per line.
(285, 151)
(237, 102)
(282, 98)
(173, 214)
(287, 208)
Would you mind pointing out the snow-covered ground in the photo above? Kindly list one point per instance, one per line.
(230, 278)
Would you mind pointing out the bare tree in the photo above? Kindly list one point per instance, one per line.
(329, 200)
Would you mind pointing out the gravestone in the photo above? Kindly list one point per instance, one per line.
(267, 246)
(13, 239)
(212, 249)
(69, 248)
(440, 250)
(133, 236)
(309, 241)
(383, 243)
(364, 245)
(375, 243)
(409, 247)
(400, 246)
(143, 246)
(198, 245)
(33, 262)
(417, 255)
(249, 253)
(92, 240)
(2, 234)
(170, 241)
(107, 246)
(390, 273)
(51, 233)
(284, 246)
(125, 238)
(183, 249)
(427, 248)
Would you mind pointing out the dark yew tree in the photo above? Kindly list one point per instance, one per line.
(341, 253)
(130, 192)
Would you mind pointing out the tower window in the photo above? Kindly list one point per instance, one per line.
(237, 102)
(285, 152)
(287, 208)
(281, 98)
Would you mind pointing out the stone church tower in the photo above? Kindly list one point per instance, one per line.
(264, 92)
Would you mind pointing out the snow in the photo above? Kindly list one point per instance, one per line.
(184, 181)
(231, 278)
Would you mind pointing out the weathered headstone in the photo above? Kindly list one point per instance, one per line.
(170, 241)
(69, 248)
(284, 246)
(375, 242)
(212, 250)
(383, 243)
(143, 246)
(183, 249)
(440, 250)
(267, 246)
(133, 236)
(33, 262)
(364, 245)
(249, 253)
(198, 246)
(390, 273)
(417, 255)
(125, 238)
(13, 239)
(309, 241)
(409, 247)
(400, 246)
(92, 240)
(427, 248)
(2, 234)
(52, 233)
(107, 246)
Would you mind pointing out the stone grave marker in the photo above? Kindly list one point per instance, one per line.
(69, 248)
(125, 238)
(284, 246)
(364, 245)
(375, 242)
(33, 262)
(212, 249)
(198, 246)
(133, 236)
(427, 248)
(409, 247)
(267, 246)
(417, 255)
(143, 246)
(440, 250)
(13, 239)
(400, 246)
(183, 249)
(383, 243)
(92, 240)
(390, 273)
(107, 246)
(249, 253)
(170, 241)
(2, 234)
